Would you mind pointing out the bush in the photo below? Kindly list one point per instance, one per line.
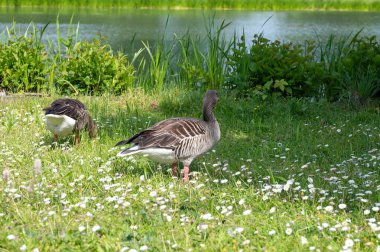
(92, 68)
(274, 68)
(23, 65)
(361, 70)
(352, 67)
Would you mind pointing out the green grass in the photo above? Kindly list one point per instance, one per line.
(265, 186)
(361, 5)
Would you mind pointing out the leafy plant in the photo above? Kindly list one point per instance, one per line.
(362, 69)
(268, 65)
(277, 87)
(92, 68)
(23, 61)
(353, 67)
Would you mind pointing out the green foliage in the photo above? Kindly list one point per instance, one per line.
(279, 87)
(347, 68)
(361, 68)
(190, 62)
(204, 68)
(215, 57)
(158, 66)
(23, 62)
(359, 87)
(26, 65)
(352, 68)
(274, 67)
(203, 64)
(186, 61)
(92, 68)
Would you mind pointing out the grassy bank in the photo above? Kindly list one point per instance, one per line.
(286, 176)
(358, 5)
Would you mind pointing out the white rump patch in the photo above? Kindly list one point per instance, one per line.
(61, 125)
(160, 155)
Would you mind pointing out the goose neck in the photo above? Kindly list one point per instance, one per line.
(208, 113)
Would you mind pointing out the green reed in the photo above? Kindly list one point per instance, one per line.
(203, 62)
(351, 66)
(185, 61)
(216, 55)
(190, 61)
(158, 66)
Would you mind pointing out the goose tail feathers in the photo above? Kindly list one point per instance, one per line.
(123, 142)
(128, 151)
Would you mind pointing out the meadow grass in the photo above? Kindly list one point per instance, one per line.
(360, 5)
(287, 175)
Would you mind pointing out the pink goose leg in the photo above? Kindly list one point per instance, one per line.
(76, 138)
(186, 173)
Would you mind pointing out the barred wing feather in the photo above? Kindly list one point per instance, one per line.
(68, 107)
(168, 133)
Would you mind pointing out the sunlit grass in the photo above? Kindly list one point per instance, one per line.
(286, 176)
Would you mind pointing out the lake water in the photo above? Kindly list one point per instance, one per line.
(122, 25)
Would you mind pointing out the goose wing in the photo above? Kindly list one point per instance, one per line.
(69, 107)
(168, 133)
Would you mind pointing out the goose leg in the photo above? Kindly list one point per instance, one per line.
(174, 170)
(55, 138)
(186, 173)
(76, 138)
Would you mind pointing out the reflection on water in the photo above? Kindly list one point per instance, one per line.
(123, 25)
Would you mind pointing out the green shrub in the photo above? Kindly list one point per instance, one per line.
(353, 67)
(23, 64)
(274, 67)
(361, 69)
(92, 68)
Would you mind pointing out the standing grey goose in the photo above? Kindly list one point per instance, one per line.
(178, 139)
(68, 116)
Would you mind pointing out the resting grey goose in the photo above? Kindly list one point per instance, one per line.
(178, 139)
(67, 116)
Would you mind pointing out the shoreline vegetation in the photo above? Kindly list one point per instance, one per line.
(275, 5)
(339, 69)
